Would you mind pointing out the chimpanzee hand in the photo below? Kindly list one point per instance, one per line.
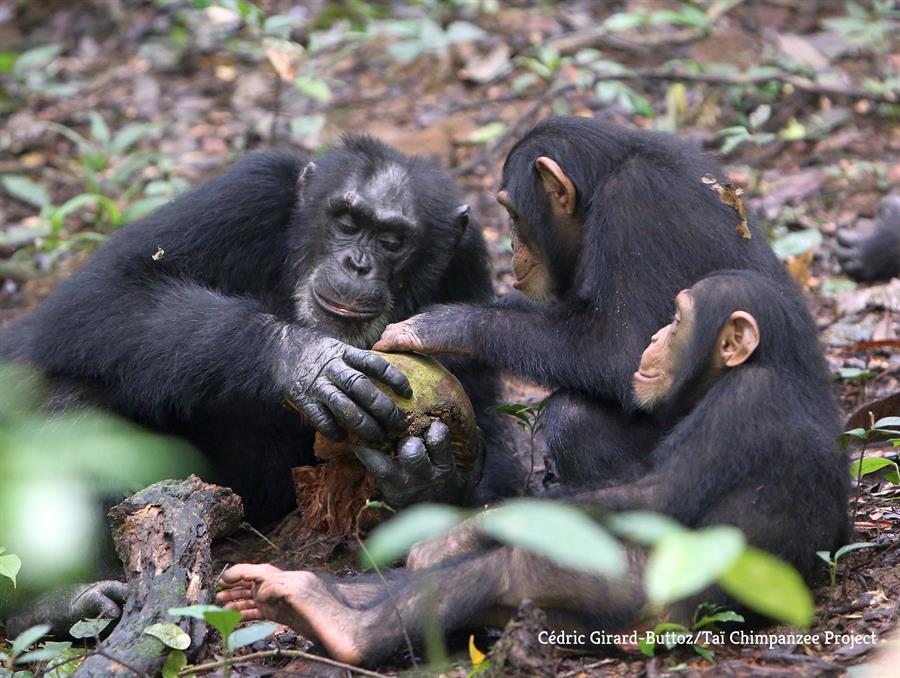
(329, 382)
(423, 471)
(63, 607)
(442, 329)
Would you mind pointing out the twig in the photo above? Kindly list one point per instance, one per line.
(247, 526)
(601, 36)
(296, 654)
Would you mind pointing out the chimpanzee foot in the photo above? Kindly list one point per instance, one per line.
(63, 607)
(299, 600)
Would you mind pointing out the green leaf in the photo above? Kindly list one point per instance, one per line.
(642, 527)
(129, 135)
(844, 550)
(826, 556)
(886, 422)
(89, 628)
(36, 58)
(561, 533)
(49, 651)
(195, 611)
(463, 31)
(99, 129)
(488, 133)
(251, 634)
(684, 563)
(622, 21)
(796, 243)
(28, 637)
(10, 565)
(315, 88)
(872, 464)
(223, 621)
(718, 618)
(26, 190)
(793, 131)
(305, 126)
(648, 647)
(391, 540)
(707, 654)
(175, 662)
(171, 635)
(771, 586)
(143, 207)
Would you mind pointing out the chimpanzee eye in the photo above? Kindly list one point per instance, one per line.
(346, 225)
(391, 242)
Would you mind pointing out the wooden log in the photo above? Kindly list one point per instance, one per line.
(163, 536)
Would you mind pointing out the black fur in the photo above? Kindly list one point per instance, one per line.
(188, 343)
(875, 255)
(651, 229)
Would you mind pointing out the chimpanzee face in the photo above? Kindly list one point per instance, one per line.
(662, 359)
(532, 277)
(368, 234)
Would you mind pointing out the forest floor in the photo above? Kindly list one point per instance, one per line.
(199, 87)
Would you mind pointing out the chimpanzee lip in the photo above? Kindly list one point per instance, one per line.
(519, 281)
(645, 376)
(342, 311)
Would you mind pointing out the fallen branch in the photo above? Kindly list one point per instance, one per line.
(163, 536)
(600, 36)
(269, 654)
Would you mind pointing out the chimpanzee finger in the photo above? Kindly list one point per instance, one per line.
(849, 238)
(114, 590)
(399, 337)
(413, 457)
(320, 419)
(437, 440)
(378, 368)
(349, 414)
(231, 595)
(382, 467)
(365, 394)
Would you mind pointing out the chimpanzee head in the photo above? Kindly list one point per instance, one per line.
(375, 232)
(727, 322)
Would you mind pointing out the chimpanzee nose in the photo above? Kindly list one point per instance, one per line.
(357, 263)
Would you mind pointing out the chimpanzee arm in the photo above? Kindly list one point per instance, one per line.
(551, 346)
(178, 312)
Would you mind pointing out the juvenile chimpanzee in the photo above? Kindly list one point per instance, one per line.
(608, 225)
(876, 255)
(739, 379)
(265, 284)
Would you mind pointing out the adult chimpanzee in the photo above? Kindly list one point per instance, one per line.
(738, 378)
(608, 224)
(875, 255)
(265, 284)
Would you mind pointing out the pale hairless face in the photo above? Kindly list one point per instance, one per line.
(662, 358)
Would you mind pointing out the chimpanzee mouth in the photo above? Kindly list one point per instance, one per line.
(520, 280)
(641, 375)
(341, 311)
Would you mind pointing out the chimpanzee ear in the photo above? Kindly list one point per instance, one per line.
(558, 186)
(462, 218)
(306, 174)
(738, 340)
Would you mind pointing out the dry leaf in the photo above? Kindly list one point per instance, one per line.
(285, 57)
(731, 196)
(159, 254)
